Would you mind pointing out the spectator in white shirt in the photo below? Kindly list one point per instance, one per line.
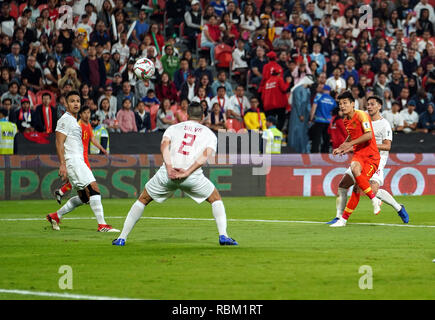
(394, 118)
(221, 98)
(410, 117)
(239, 63)
(122, 48)
(238, 105)
(201, 95)
(336, 82)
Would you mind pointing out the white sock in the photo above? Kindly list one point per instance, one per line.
(219, 215)
(341, 201)
(388, 199)
(69, 206)
(97, 208)
(133, 216)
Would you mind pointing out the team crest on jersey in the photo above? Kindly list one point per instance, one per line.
(366, 125)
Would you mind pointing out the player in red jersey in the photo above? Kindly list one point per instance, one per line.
(366, 157)
(87, 136)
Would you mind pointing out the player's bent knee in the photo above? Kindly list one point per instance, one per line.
(375, 186)
(144, 197)
(215, 196)
(83, 195)
(346, 182)
(93, 190)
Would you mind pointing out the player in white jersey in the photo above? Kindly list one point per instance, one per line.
(384, 137)
(185, 148)
(69, 147)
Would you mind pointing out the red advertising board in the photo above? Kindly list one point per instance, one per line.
(319, 175)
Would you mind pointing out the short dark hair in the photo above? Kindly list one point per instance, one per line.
(195, 111)
(346, 95)
(84, 108)
(46, 94)
(375, 97)
(72, 93)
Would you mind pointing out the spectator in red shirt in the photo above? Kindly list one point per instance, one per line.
(365, 70)
(337, 130)
(166, 89)
(267, 74)
(274, 96)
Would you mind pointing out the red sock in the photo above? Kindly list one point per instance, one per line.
(364, 185)
(66, 187)
(351, 205)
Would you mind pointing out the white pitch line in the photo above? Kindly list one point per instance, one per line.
(235, 220)
(60, 295)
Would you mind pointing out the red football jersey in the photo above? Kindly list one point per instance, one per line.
(356, 127)
(87, 134)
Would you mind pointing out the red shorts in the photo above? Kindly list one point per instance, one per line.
(369, 164)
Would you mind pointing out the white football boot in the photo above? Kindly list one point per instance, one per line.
(340, 223)
(376, 205)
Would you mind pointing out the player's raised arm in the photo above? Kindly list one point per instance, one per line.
(60, 149)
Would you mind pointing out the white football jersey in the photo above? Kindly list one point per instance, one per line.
(189, 139)
(382, 131)
(68, 125)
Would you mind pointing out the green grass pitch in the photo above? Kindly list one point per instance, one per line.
(181, 259)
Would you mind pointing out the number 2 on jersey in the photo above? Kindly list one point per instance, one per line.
(189, 143)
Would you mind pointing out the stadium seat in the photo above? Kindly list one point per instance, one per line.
(39, 97)
(22, 7)
(223, 54)
(181, 30)
(234, 124)
(14, 10)
(42, 7)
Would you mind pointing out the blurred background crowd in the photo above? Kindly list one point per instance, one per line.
(253, 65)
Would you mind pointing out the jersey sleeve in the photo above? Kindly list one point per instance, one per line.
(364, 119)
(63, 126)
(212, 141)
(387, 132)
(168, 133)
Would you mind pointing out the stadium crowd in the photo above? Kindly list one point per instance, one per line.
(276, 64)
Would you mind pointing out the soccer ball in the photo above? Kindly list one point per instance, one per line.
(144, 68)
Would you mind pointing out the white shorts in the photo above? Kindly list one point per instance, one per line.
(79, 175)
(196, 186)
(378, 176)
